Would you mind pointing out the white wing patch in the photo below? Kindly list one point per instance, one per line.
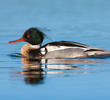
(43, 51)
(53, 48)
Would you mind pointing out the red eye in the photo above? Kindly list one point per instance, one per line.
(28, 36)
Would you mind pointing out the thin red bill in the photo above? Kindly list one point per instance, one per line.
(19, 40)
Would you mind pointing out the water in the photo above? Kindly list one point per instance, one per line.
(82, 21)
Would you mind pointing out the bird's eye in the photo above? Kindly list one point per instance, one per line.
(28, 36)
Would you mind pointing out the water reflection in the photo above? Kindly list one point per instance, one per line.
(67, 63)
(33, 76)
(34, 70)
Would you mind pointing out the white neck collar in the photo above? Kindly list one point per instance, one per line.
(35, 46)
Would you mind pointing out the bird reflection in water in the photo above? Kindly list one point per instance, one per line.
(34, 70)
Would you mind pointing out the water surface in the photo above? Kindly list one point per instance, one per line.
(82, 21)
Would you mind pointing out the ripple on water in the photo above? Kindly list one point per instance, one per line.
(35, 71)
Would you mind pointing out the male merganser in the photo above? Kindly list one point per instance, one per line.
(59, 49)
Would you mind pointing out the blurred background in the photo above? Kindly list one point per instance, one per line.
(75, 20)
(85, 21)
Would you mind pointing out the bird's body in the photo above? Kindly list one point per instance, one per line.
(59, 49)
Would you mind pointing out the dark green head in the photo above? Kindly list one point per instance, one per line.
(33, 36)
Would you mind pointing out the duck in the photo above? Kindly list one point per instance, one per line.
(58, 49)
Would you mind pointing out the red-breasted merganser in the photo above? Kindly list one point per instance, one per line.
(59, 49)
